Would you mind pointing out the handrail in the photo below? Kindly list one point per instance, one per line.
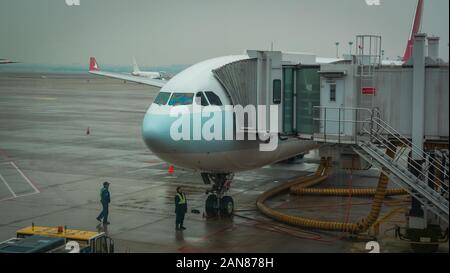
(440, 206)
(382, 129)
(383, 125)
(343, 108)
(435, 177)
(422, 152)
(412, 165)
(410, 142)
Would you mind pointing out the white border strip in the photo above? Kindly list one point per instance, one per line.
(18, 196)
(25, 177)
(7, 185)
(14, 195)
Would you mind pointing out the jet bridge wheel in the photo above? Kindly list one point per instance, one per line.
(211, 207)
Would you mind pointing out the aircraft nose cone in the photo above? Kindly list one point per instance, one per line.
(155, 133)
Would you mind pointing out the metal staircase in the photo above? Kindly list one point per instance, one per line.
(374, 136)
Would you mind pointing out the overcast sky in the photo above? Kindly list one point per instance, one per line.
(164, 32)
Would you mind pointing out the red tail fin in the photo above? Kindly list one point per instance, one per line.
(93, 66)
(414, 30)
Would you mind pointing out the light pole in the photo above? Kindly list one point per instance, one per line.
(337, 49)
(350, 44)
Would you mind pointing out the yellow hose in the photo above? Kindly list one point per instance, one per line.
(301, 186)
(344, 192)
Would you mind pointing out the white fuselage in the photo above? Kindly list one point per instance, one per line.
(215, 156)
(145, 74)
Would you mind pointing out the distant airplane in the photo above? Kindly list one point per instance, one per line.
(216, 160)
(6, 61)
(146, 74)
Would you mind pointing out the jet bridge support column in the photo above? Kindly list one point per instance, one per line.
(421, 224)
(418, 109)
(418, 117)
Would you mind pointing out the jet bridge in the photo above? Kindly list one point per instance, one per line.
(361, 107)
(367, 108)
(271, 78)
(253, 82)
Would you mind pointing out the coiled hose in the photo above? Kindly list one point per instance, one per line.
(344, 192)
(301, 187)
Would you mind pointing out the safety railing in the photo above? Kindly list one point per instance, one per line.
(366, 125)
(406, 143)
(387, 135)
(438, 184)
(337, 124)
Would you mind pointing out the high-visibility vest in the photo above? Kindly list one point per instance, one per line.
(182, 199)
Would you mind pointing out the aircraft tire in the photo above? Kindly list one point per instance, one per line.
(211, 208)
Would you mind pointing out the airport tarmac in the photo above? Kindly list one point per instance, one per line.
(52, 170)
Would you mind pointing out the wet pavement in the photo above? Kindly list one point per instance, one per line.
(52, 170)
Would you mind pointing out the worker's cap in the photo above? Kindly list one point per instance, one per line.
(106, 183)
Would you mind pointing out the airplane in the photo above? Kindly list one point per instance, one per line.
(6, 61)
(146, 74)
(216, 160)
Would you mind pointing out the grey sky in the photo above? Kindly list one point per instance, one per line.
(163, 32)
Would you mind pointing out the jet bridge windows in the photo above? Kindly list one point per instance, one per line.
(181, 99)
(213, 98)
(162, 98)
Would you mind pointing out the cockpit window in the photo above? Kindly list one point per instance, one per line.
(181, 99)
(213, 98)
(162, 98)
(200, 99)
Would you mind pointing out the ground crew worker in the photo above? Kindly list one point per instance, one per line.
(180, 209)
(105, 199)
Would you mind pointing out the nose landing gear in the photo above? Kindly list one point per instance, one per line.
(217, 203)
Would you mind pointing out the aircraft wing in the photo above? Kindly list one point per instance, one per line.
(95, 69)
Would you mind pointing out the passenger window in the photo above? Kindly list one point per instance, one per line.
(200, 99)
(162, 98)
(181, 99)
(213, 98)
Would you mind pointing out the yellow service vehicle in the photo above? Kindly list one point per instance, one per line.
(76, 240)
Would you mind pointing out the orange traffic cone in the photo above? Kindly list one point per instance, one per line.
(88, 131)
(171, 169)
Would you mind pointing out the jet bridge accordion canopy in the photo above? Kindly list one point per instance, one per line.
(240, 81)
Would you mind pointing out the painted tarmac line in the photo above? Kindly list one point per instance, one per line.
(14, 195)
(27, 194)
(25, 177)
(18, 196)
(7, 186)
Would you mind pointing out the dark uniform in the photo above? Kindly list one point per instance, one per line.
(180, 210)
(105, 199)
